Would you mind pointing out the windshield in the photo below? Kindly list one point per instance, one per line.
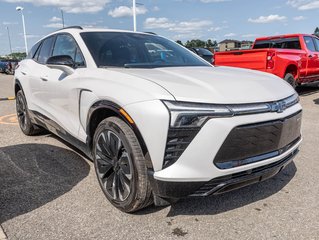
(133, 50)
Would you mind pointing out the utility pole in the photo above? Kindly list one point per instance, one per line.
(62, 18)
(134, 15)
(9, 39)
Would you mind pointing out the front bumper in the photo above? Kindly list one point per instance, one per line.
(226, 183)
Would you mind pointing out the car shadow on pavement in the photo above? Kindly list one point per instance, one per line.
(213, 205)
(316, 101)
(309, 89)
(32, 175)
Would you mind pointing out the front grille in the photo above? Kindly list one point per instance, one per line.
(255, 142)
(178, 140)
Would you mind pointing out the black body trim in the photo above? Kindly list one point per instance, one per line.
(168, 190)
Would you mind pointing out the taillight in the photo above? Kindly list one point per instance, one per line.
(270, 60)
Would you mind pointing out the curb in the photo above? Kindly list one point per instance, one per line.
(7, 98)
(2, 234)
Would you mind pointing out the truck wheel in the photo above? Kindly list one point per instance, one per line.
(120, 166)
(289, 78)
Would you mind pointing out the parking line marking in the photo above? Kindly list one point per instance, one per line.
(10, 119)
(7, 98)
(2, 234)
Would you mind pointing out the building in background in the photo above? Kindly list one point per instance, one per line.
(246, 44)
(228, 45)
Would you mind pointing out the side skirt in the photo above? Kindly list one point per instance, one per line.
(43, 121)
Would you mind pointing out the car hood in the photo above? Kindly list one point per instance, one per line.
(216, 84)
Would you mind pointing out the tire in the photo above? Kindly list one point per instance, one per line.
(289, 78)
(26, 126)
(120, 166)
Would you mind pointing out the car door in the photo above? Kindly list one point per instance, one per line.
(34, 72)
(61, 90)
(313, 58)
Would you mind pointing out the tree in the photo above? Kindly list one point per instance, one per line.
(195, 43)
(211, 44)
(17, 55)
(316, 31)
(180, 42)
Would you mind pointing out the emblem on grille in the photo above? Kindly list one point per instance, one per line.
(278, 107)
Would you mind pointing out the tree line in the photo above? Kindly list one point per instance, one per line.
(198, 43)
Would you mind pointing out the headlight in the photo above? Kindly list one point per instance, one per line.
(194, 114)
(184, 114)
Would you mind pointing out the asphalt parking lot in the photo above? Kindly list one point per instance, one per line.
(49, 191)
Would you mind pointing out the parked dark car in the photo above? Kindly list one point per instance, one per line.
(3, 65)
(204, 53)
(8, 66)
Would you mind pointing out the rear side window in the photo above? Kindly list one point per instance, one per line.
(45, 51)
(317, 43)
(310, 44)
(284, 43)
(66, 45)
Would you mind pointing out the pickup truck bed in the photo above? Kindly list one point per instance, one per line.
(286, 56)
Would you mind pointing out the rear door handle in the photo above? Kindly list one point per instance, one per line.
(44, 78)
(24, 73)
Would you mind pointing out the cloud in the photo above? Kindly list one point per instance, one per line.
(55, 19)
(230, 35)
(304, 4)
(53, 25)
(9, 23)
(299, 18)
(267, 19)
(214, 1)
(156, 23)
(179, 27)
(156, 9)
(124, 11)
(69, 6)
(249, 35)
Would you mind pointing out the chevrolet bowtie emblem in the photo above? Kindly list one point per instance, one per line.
(278, 107)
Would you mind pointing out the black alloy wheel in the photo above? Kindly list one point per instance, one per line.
(120, 166)
(114, 165)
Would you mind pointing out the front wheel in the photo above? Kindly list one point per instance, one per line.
(289, 78)
(120, 166)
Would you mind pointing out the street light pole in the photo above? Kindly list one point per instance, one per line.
(9, 39)
(134, 15)
(62, 18)
(24, 32)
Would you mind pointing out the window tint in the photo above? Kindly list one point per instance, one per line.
(66, 45)
(310, 44)
(285, 43)
(33, 50)
(317, 43)
(45, 50)
(133, 50)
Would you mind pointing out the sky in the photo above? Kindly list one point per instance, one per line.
(175, 19)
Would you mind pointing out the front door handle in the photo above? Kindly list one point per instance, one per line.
(24, 73)
(44, 78)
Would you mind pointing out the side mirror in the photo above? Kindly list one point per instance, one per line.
(62, 62)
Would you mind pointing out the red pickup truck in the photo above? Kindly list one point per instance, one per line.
(293, 57)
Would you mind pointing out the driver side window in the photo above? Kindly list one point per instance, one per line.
(66, 45)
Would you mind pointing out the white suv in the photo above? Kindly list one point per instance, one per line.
(159, 122)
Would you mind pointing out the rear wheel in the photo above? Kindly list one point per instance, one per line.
(120, 166)
(289, 78)
(27, 127)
